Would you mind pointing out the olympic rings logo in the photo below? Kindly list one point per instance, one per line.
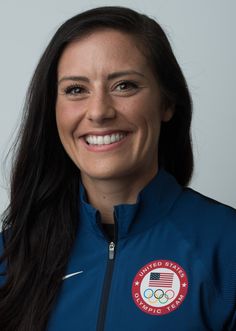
(158, 295)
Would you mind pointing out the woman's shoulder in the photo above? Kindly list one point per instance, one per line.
(207, 225)
(208, 229)
(204, 210)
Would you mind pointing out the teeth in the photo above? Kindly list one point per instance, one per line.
(104, 140)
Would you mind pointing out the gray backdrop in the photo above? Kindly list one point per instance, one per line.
(202, 34)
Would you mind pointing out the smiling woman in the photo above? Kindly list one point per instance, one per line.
(102, 232)
(109, 122)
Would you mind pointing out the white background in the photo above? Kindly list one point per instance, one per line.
(202, 34)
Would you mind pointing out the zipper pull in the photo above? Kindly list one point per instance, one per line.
(111, 250)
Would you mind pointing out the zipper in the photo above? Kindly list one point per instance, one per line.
(107, 280)
(111, 250)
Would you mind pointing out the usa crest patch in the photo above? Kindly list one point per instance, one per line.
(160, 287)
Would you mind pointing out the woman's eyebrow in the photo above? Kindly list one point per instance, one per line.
(109, 77)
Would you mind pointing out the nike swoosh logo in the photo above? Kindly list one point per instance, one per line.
(71, 275)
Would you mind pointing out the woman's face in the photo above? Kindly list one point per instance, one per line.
(108, 108)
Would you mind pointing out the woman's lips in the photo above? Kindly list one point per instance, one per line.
(104, 139)
(104, 142)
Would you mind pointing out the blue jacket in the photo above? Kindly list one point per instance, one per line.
(172, 265)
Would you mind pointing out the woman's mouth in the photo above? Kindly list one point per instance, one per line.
(107, 139)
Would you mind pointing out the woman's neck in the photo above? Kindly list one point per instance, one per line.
(104, 194)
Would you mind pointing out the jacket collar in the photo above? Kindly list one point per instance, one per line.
(153, 202)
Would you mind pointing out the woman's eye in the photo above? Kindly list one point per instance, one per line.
(74, 90)
(126, 85)
(77, 90)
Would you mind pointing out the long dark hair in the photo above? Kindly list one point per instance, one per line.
(40, 224)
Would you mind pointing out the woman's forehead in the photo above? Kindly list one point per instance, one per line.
(105, 51)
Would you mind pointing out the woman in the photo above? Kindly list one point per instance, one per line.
(102, 232)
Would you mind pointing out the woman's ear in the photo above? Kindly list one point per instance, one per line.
(167, 114)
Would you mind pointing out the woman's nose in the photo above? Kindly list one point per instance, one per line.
(100, 107)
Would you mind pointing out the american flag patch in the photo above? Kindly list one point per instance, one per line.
(161, 279)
